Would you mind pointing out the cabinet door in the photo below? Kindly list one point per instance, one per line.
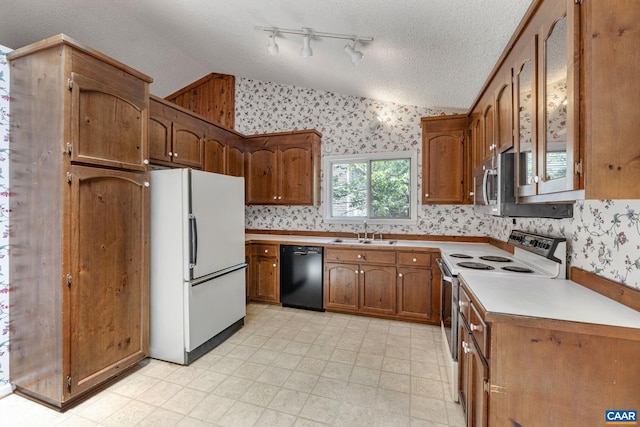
(266, 280)
(214, 156)
(235, 161)
(504, 111)
(261, 172)
(341, 286)
(187, 142)
(558, 97)
(525, 119)
(488, 128)
(443, 167)
(108, 127)
(415, 299)
(477, 141)
(159, 139)
(377, 289)
(477, 406)
(295, 167)
(109, 282)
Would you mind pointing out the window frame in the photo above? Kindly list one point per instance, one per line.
(412, 156)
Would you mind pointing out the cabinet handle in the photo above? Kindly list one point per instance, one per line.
(471, 193)
(170, 154)
(399, 274)
(279, 197)
(356, 271)
(146, 183)
(426, 195)
(274, 265)
(536, 179)
(359, 256)
(467, 348)
(461, 304)
(145, 161)
(415, 260)
(275, 197)
(266, 251)
(175, 154)
(475, 327)
(361, 271)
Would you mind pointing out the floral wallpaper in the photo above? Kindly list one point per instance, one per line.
(4, 220)
(603, 236)
(346, 126)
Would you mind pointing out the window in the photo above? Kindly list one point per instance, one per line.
(378, 187)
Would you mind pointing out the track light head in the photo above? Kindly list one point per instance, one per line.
(355, 55)
(306, 51)
(272, 47)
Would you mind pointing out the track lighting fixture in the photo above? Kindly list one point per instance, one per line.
(355, 55)
(307, 34)
(272, 47)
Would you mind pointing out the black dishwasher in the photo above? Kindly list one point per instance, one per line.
(301, 277)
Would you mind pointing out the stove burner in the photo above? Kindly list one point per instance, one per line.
(475, 265)
(518, 269)
(460, 256)
(495, 258)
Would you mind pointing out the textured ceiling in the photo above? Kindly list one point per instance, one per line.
(428, 53)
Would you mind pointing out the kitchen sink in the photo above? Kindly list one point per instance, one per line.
(370, 242)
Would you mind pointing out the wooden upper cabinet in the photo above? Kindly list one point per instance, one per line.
(212, 97)
(504, 115)
(95, 107)
(445, 160)
(609, 121)
(262, 174)
(173, 137)
(574, 111)
(235, 159)
(283, 168)
(187, 141)
(215, 158)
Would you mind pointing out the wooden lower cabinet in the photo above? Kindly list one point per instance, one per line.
(384, 283)
(264, 273)
(473, 379)
(341, 286)
(415, 289)
(377, 289)
(528, 371)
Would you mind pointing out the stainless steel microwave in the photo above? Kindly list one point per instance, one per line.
(494, 192)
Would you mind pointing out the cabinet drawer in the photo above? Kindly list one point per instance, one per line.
(479, 330)
(414, 259)
(265, 250)
(360, 256)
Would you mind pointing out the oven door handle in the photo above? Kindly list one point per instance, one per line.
(446, 274)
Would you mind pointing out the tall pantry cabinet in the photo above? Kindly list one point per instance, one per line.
(80, 220)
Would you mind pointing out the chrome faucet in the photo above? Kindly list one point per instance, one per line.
(365, 229)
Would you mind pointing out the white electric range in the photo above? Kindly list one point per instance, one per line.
(534, 256)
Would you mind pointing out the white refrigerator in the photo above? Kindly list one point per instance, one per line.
(197, 266)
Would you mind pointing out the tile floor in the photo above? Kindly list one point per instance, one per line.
(285, 367)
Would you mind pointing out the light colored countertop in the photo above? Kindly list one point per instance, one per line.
(313, 240)
(548, 299)
(519, 296)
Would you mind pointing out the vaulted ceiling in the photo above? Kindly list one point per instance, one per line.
(428, 53)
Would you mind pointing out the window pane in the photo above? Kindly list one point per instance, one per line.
(390, 188)
(349, 190)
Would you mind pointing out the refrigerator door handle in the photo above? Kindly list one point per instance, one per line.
(218, 274)
(193, 232)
